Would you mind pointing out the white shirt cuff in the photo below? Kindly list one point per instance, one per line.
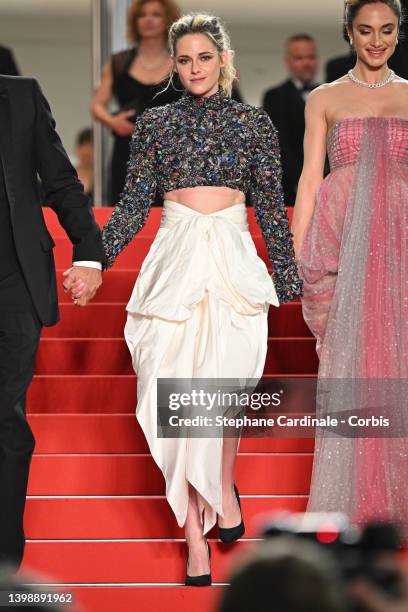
(89, 264)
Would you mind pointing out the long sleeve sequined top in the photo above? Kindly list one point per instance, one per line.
(207, 141)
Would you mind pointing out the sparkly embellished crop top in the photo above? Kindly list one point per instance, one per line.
(207, 141)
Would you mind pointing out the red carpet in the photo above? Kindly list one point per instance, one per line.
(97, 521)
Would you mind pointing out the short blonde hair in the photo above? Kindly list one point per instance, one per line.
(211, 26)
(171, 10)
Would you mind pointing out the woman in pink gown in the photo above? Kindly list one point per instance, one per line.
(351, 240)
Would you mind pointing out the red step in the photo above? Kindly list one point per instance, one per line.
(83, 356)
(131, 517)
(99, 320)
(292, 356)
(82, 394)
(102, 214)
(134, 254)
(89, 394)
(145, 598)
(131, 474)
(119, 433)
(111, 356)
(123, 561)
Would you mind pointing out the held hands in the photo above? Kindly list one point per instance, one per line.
(83, 283)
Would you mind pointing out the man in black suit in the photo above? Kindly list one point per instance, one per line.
(29, 145)
(8, 64)
(285, 105)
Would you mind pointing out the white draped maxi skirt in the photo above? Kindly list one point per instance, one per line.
(199, 309)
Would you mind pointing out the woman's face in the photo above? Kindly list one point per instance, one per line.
(374, 34)
(151, 22)
(198, 62)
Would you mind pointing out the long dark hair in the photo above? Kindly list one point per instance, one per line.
(353, 7)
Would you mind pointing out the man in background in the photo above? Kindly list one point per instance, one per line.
(84, 151)
(8, 64)
(285, 105)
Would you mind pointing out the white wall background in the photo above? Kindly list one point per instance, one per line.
(52, 41)
(57, 51)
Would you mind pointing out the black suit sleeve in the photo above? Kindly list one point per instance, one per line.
(63, 190)
(274, 105)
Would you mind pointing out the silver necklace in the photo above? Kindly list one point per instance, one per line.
(157, 65)
(390, 77)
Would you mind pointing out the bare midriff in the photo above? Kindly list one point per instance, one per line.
(206, 199)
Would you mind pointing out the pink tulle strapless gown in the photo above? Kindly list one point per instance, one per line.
(354, 265)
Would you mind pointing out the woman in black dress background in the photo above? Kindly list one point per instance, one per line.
(134, 77)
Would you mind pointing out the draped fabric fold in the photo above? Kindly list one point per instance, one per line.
(193, 251)
(354, 266)
(198, 310)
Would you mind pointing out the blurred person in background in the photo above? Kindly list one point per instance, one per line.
(25, 588)
(292, 573)
(370, 598)
(285, 574)
(285, 105)
(84, 155)
(338, 66)
(137, 78)
(8, 64)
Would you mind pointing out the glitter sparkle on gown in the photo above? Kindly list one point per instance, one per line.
(354, 266)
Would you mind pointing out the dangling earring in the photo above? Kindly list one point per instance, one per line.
(351, 41)
(174, 73)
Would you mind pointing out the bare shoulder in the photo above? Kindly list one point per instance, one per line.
(400, 94)
(326, 91)
(324, 97)
(402, 85)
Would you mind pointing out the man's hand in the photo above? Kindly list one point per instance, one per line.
(83, 283)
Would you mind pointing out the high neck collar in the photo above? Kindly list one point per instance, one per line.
(214, 101)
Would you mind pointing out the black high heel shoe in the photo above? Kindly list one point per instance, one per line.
(200, 581)
(231, 534)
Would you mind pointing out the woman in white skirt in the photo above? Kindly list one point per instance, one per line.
(200, 303)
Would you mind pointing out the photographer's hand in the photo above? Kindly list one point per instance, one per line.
(375, 600)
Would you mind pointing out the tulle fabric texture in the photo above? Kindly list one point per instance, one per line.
(199, 309)
(354, 266)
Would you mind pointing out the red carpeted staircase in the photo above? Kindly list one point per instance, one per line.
(97, 522)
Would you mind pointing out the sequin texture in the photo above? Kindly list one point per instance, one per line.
(354, 265)
(207, 141)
